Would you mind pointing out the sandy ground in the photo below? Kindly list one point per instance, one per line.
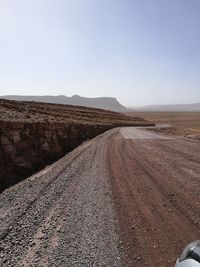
(155, 183)
(126, 198)
(185, 124)
(189, 120)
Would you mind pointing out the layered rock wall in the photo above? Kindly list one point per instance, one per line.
(33, 135)
(26, 148)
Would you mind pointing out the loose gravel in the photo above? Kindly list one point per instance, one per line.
(62, 216)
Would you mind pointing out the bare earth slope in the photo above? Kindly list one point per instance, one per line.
(126, 198)
(33, 135)
(24, 111)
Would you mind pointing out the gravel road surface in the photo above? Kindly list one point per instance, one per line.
(128, 197)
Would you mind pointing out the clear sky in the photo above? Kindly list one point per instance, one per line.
(140, 51)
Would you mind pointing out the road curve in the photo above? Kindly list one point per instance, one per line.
(128, 197)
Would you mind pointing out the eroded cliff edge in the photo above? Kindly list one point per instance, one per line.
(33, 135)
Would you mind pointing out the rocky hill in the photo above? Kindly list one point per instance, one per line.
(33, 135)
(107, 103)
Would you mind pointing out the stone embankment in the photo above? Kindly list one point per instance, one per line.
(27, 147)
(33, 135)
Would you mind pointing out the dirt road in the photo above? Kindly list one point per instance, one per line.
(126, 198)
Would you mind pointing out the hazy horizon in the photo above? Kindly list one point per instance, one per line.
(127, 106)
(142, 52)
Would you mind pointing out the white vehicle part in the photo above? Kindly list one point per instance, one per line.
(190, 256)
(187, 263)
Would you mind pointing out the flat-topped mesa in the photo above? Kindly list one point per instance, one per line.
(107, 103)
(33, 135)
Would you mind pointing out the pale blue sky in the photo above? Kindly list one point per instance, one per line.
(140, 51)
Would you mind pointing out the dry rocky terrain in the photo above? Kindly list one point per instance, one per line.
(185, 124)
(127, 198)
(33, 135)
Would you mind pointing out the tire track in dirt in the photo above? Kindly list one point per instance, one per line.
(112, 202)
(175, 173)
(166, 219)
(168, 187)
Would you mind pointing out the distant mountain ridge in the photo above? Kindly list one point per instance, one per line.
(173, 107)
(107, 103)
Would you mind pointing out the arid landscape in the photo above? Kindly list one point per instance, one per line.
(185, 124)
(179, 119)
(107, 103)
(128, 197)
(99, 133)
(124, 189)
(33, 135)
